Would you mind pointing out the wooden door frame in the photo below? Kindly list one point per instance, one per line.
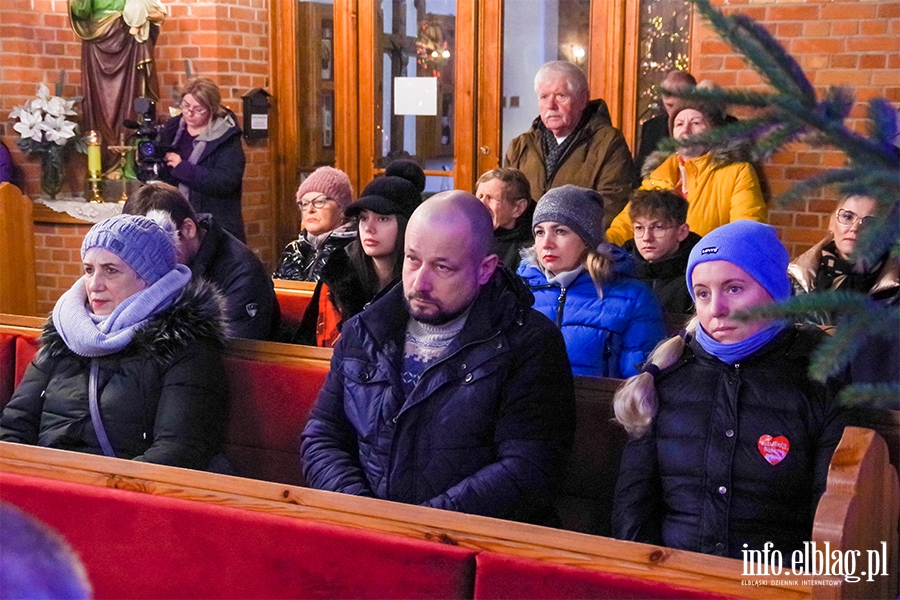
(283, 52)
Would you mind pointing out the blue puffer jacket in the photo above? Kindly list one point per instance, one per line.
(605, 337)
(487, 429)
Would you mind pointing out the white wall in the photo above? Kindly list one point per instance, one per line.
(530, 32)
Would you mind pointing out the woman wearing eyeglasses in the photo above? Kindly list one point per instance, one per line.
(321, 198)
(206, 160)
(828, 264)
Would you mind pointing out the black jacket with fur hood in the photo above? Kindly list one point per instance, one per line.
(162, 398)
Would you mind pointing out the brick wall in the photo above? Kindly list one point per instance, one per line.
(836, 42)
(226, 40)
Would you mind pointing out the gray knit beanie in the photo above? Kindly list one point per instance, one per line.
(579, 209)
(142, 244)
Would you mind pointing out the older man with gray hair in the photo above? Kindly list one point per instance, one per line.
(573, 141)
(449, 391)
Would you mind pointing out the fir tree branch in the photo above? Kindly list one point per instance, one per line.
(882, 396)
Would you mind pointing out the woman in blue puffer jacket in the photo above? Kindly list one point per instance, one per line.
(610, 320)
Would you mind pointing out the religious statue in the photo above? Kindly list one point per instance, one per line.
(118, 39)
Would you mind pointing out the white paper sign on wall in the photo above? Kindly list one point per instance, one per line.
(415, 96)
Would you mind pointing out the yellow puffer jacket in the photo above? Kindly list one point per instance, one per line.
(717, 194)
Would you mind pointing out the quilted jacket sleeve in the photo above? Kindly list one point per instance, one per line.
(644, 331)
(190, 416)
(533, 436)
(328, 444)
(21, 419)
(638, 506)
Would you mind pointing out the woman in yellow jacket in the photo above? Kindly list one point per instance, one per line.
(719, 187)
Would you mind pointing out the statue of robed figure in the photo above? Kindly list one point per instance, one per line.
(118, 40)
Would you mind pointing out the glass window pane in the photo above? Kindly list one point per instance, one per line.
(417, 42)
(315, 76)
(554, 30)
(664, 45)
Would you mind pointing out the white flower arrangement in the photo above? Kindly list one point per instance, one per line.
(43, 123)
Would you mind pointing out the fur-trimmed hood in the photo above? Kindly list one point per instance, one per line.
(198, 314)
(726, 152)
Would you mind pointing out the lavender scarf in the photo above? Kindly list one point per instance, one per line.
(90, 335)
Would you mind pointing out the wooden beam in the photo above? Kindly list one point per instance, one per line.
(286, 131)
(489, 78)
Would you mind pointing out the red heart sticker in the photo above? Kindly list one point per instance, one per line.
(774, 449)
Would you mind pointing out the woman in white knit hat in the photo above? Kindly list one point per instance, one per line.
(130, 361)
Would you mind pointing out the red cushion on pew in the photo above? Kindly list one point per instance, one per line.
(7, 367)
(292, 306)
(269, 406)
(498, 576)
(26, 349)
(140, 545)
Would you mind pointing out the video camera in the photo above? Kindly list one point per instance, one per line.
(151, 156)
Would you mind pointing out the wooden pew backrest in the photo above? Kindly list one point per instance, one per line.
(594, 559)
(272, 388)
(145, 546)
(293, 298)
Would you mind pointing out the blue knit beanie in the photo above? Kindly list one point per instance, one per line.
(752, 246)
(138, 241)
(579, 209)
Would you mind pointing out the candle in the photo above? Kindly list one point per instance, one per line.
(94, 160)
(93, 153)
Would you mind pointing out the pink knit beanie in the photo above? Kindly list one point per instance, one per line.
(332, 182)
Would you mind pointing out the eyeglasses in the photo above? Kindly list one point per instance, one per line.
(848, 218)
(318, 203)
(193, 110)
(656, 229)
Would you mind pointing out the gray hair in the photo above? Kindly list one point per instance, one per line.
(576, 80)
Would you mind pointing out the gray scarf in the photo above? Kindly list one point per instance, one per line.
(90, 335)
(217, 129)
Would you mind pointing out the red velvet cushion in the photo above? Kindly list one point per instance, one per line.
(498, 576)
(268, 407)
(137, 545)
(7, 367)
(26, 349)
(292, 306)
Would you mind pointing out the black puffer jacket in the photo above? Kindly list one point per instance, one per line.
(162, 399)
(301, 261)
(700, 480)
(487, 429)
(667, 277)
(251, 308)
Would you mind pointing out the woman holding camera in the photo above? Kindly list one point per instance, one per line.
(206, 160)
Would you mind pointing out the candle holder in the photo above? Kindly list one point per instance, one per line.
(95, 167)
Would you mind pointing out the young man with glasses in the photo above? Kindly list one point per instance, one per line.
(661, 245)
(830, 264)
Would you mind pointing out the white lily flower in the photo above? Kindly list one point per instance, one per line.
(17, 112)
(30, 126)
(42, 100)
(58, 129)
(59, 107)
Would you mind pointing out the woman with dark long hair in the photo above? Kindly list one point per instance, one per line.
(370, 264)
